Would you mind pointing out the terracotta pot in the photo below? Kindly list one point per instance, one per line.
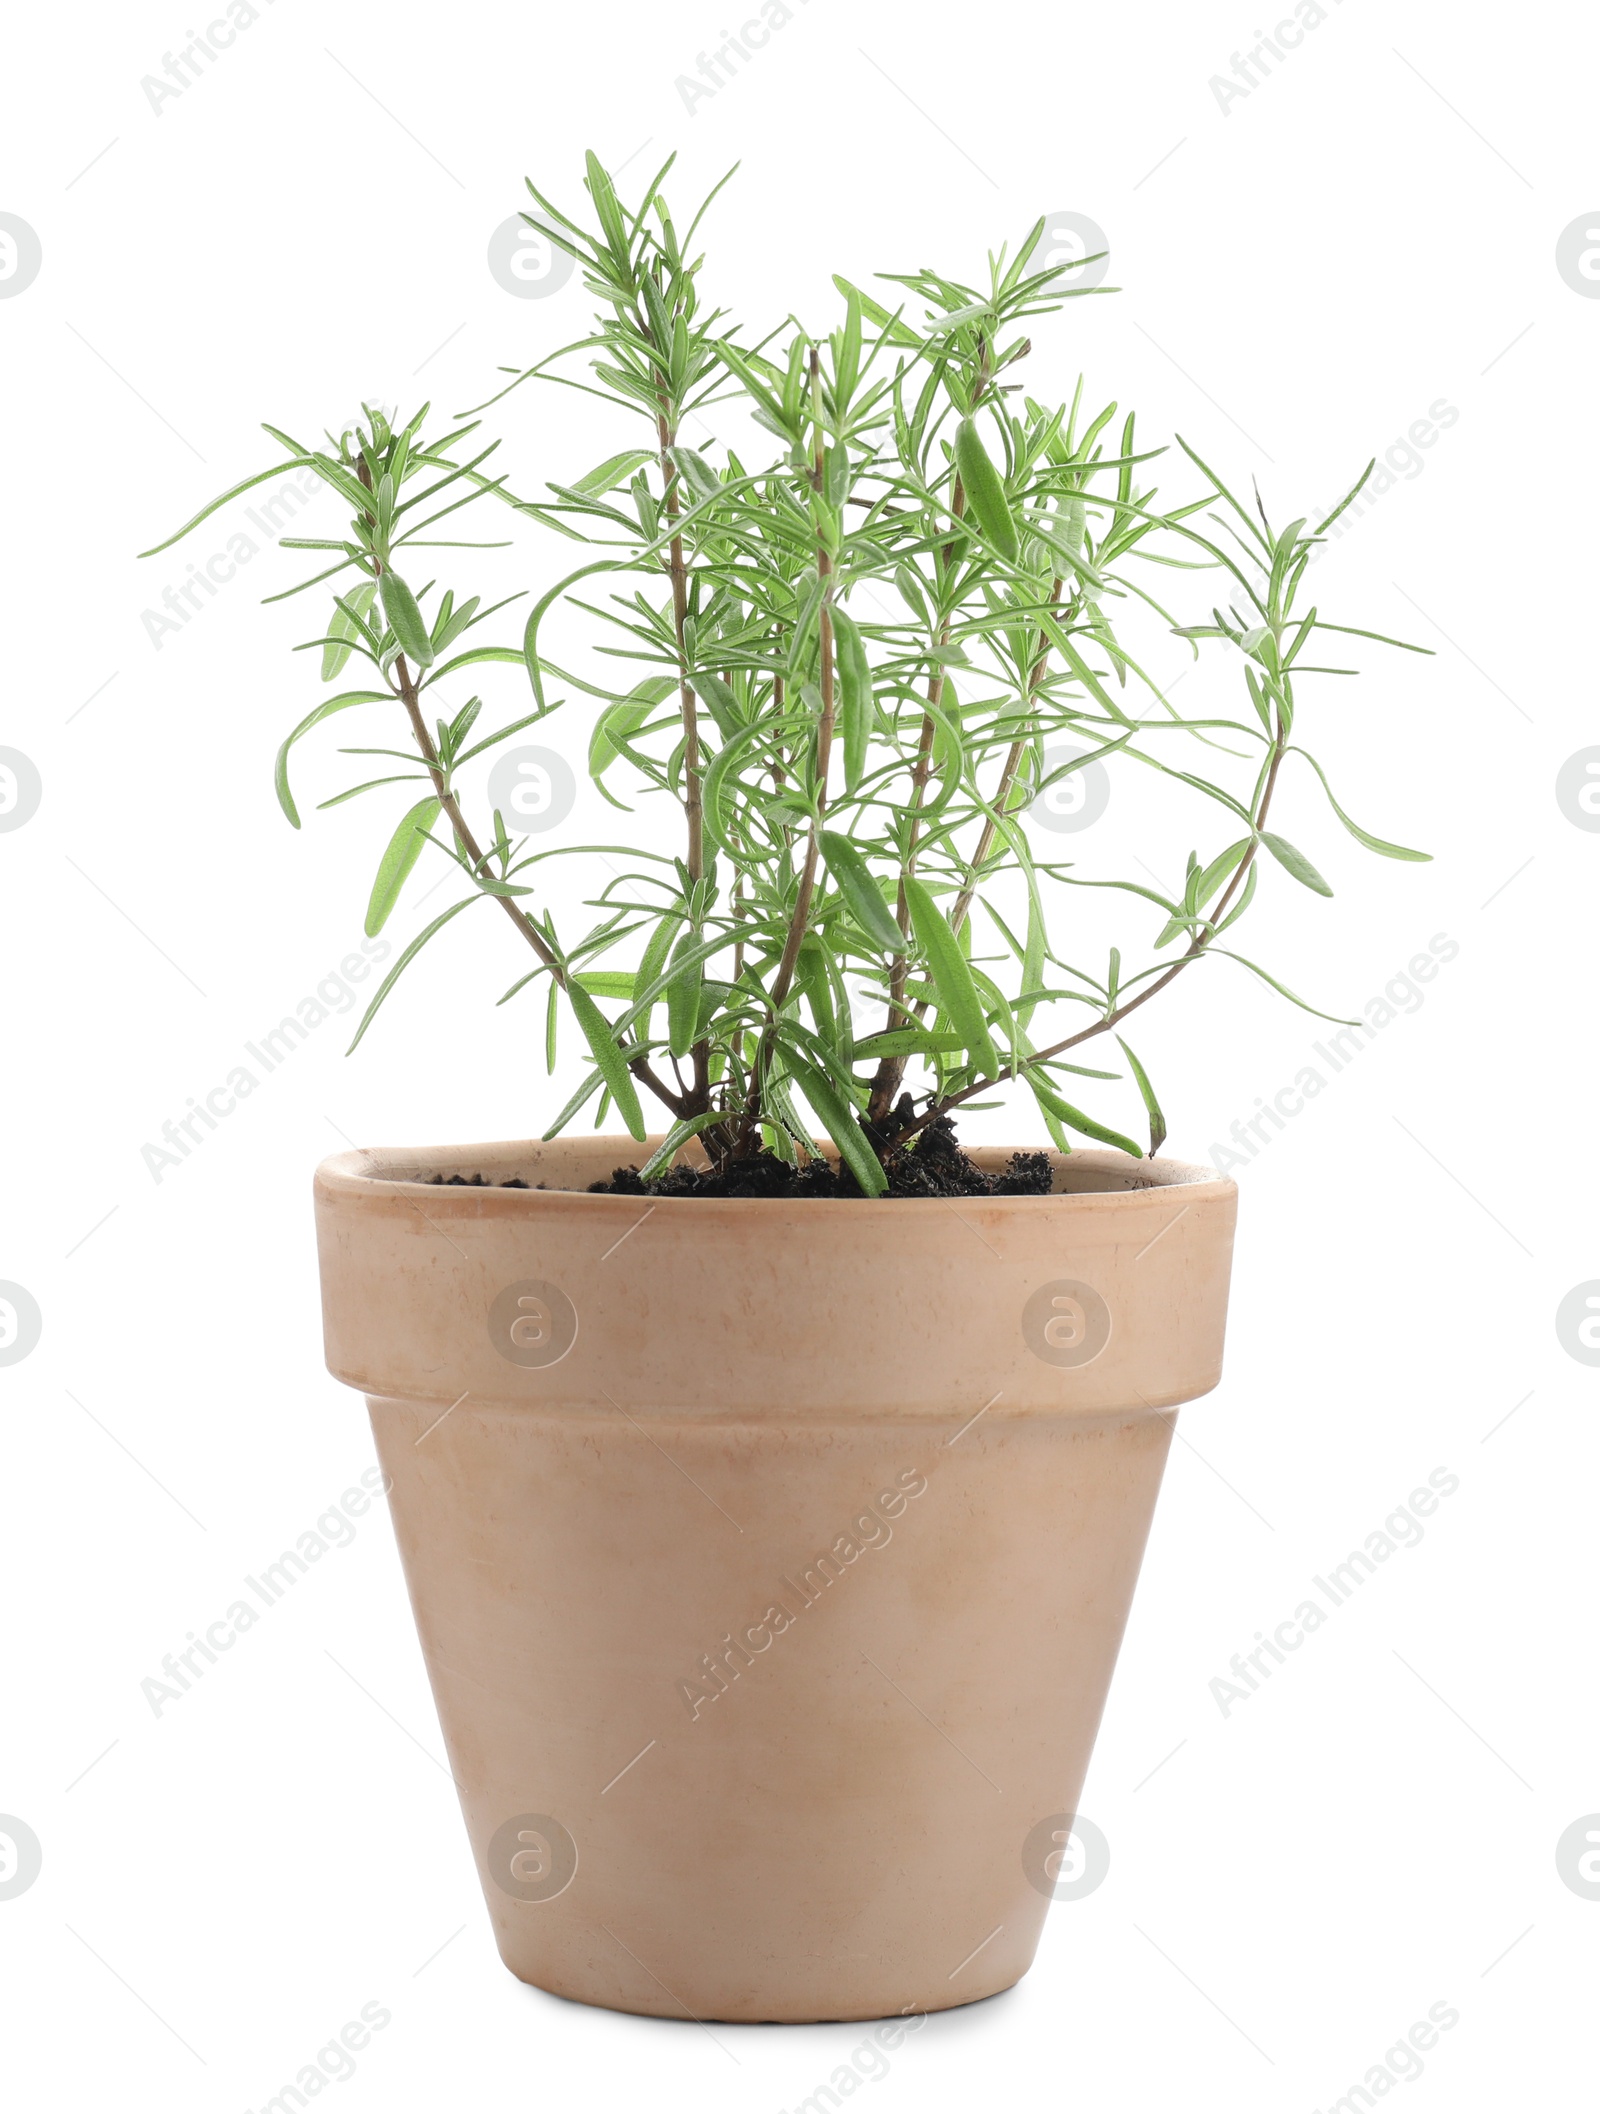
(770, 1560)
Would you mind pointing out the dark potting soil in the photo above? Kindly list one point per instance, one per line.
(931, 1164)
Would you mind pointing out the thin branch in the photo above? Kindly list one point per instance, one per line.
(471, 851)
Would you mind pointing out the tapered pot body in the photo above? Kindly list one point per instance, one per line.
(770, 1560)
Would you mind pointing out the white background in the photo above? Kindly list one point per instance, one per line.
(1370, 230)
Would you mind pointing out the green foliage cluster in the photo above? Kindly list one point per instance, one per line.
(845, 662)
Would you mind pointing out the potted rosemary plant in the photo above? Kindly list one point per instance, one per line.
(772, 1481)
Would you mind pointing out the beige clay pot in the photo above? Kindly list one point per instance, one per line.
(770, 1560)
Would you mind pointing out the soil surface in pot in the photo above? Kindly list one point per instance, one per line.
(930, 1165)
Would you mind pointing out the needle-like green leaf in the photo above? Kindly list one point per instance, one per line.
(860, 891)
(985, 490)
(1147, 1093)
(613, 1065)
(952, 978)
(402, 853)
(326, 710)
(405, 619)
(839, 1120)
(1294, 861)
(343, 631)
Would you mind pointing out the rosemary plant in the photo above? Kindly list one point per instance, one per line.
(845, 662)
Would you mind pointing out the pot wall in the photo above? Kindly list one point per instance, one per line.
(770, 1562)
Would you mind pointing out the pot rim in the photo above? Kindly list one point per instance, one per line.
(372, 1172)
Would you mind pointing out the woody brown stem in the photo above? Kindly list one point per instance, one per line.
(472, 853)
